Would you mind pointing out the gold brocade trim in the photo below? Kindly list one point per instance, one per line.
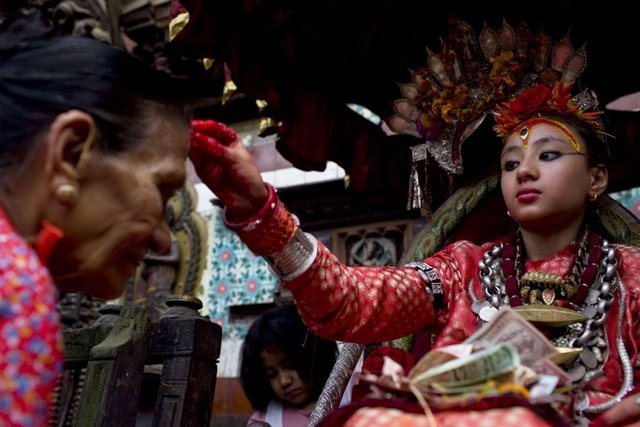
(538, 279)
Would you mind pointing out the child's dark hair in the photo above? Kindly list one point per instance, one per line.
(282, 328)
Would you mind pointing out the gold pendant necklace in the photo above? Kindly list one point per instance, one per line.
(542, 287)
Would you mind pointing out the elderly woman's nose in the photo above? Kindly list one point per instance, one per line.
(161, 238)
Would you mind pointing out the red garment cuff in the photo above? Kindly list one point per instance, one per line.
(269, 231)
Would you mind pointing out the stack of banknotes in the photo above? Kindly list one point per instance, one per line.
(507, 355)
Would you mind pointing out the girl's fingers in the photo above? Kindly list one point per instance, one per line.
(204, 145)
(224, 134)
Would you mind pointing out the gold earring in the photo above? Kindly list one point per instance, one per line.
(67, 194)
(593, 197)
(508, 213)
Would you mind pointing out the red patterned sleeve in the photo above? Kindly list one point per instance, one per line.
(30, 335)
(369, 304)
(360, 304)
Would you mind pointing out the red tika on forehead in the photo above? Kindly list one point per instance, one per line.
(524, 131)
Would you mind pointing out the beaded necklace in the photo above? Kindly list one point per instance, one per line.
(594, 295)
(535, 287)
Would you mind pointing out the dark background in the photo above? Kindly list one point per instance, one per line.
(309, 58)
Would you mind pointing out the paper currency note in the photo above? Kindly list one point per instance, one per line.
(508, 326)
(475, 368)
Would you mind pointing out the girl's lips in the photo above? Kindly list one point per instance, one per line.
(293, 394)
(527, 195)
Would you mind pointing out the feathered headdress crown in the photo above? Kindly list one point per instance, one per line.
(501, 72)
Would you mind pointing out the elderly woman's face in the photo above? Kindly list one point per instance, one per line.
(119, 214)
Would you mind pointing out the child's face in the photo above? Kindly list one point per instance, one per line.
(546, 182)
(284, 379)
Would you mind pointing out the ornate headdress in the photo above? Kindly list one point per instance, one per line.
(512, 73)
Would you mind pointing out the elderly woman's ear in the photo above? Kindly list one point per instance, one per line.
(69, 139)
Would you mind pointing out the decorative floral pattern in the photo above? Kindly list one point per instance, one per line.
(233, 276)
(459, 86)
(463, 101)
(30, 335)
(541, 99)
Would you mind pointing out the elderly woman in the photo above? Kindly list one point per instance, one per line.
(90, 152)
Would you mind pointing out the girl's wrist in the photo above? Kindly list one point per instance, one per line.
(270, 233)
(256, 219)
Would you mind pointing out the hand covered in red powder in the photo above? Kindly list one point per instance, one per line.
(225, 165)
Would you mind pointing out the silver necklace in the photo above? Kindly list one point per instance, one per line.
(590, 335)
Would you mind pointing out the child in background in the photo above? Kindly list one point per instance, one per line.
(284, 367)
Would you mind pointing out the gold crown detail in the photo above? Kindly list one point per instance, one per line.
(472, 77)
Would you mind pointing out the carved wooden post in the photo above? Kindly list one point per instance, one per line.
(188, 346)
(78, 343)
(115, 368)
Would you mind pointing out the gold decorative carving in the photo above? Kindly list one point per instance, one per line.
(140, 26)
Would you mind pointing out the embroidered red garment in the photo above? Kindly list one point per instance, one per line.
(507, 410)
(367, 305)
(30, 334)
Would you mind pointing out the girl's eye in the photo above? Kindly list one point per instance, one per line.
(510, 165)
(549, 155)
(271, 374)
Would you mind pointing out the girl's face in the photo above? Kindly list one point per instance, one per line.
(285, 380)
(546, 182)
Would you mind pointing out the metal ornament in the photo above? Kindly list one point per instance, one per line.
(418, 198)
(588, 334)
